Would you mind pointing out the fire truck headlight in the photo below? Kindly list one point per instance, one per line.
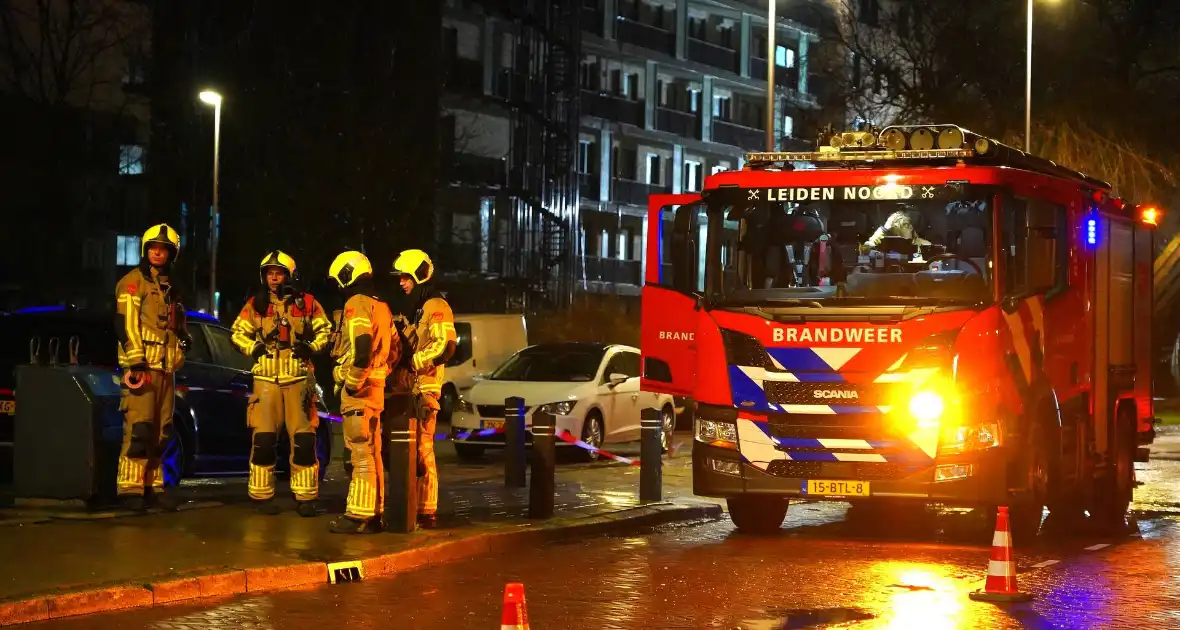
(927, 407)
(972, 437)
(716, 433)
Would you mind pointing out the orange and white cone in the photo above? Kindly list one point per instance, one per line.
(516, 614)
(1001, 569)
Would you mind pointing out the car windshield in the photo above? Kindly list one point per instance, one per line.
(926, 244)
(551, 364)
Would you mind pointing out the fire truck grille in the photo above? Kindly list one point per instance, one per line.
(861, 471)
(782, 393)
(853, 426)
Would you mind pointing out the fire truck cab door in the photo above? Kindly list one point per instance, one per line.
(1114, 323)
(670, 294)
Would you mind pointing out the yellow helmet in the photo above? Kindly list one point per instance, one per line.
(162, 234)
(416, 264)
(348, 267)
(277, 259)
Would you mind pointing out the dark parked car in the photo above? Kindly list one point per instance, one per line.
(211, 437)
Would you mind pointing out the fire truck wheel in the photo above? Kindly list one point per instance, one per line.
(1114, 490)
(1039, 466)
(757, 515)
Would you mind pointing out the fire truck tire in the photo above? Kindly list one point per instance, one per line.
(1114, 490)
(1040, 466)
(757, 514)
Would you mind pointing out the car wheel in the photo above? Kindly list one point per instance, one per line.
(173, 461)
(592, 435)
(667, 425)
(757, 515)
(469, 452)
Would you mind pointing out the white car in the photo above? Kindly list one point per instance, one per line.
(591, 388)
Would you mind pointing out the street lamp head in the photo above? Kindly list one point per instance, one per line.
(210, 97)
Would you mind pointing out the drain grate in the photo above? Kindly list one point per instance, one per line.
(343, 572)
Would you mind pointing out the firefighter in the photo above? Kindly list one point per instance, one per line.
(281, 328)
(898, 224)
(152, 335)
(364, 350)
(431, 337)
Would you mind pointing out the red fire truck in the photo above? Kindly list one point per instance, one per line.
(922, 314)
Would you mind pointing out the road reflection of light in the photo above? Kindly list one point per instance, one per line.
(629, 578)
(924, 596)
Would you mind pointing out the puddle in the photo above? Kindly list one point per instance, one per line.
(790, 619)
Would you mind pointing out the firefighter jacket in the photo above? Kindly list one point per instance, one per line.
(149, 322)
(278, 324)
(365, 346)
(432, 340)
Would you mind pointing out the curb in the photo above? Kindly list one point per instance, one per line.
(270, 578)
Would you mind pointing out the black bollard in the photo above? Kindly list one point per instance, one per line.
(401, 451)
(544, 463)
(650, 455)
(514, 458)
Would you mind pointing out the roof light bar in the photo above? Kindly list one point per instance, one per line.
(858, 156)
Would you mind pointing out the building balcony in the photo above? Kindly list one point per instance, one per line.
(613, 270)
(713, 55)
(635, 193)
(463, 76)
(686, 124)
(474, 170)
(737, 135)
(589, 186)
(646, 36)
(610, 107)
(783, 77)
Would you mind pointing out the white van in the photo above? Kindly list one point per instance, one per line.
(485, 341)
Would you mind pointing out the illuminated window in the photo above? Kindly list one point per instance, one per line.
(126, 250)
(788, 127)
(130, 159)
(784, 57)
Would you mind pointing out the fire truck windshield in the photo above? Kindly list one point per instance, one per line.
(935, 250)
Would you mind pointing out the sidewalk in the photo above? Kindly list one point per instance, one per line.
(62, 567)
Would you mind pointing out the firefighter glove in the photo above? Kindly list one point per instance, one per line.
(302, 351)
(259, 352)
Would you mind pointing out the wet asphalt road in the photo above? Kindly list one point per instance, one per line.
(829, 565)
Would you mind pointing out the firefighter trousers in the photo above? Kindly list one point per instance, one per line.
(147, 427)
(427, 415)
(362, 435)
(271, 407)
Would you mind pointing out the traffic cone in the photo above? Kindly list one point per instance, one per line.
(1001, 570)
(516, 614)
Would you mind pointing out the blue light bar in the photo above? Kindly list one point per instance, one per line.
(1091, 231)
(30, 310)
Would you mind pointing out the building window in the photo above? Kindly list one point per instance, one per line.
(694, 100)
(126, 250)
(131, 159)
(784, 57)
(624, 238)
(718, 168)
(788, 127)
(692, 176)
(655, 174)
(721, 107)
(585, 149)
(604, 244)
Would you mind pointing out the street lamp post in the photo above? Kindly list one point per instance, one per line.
(770, 68)
(210, 97)
(1028, 83)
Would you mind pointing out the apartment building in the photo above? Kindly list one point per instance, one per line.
(669, 91)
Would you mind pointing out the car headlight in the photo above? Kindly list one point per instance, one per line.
(927, 408)
(971, 437)
(465, 406)
(562, 408)
(716, 433)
